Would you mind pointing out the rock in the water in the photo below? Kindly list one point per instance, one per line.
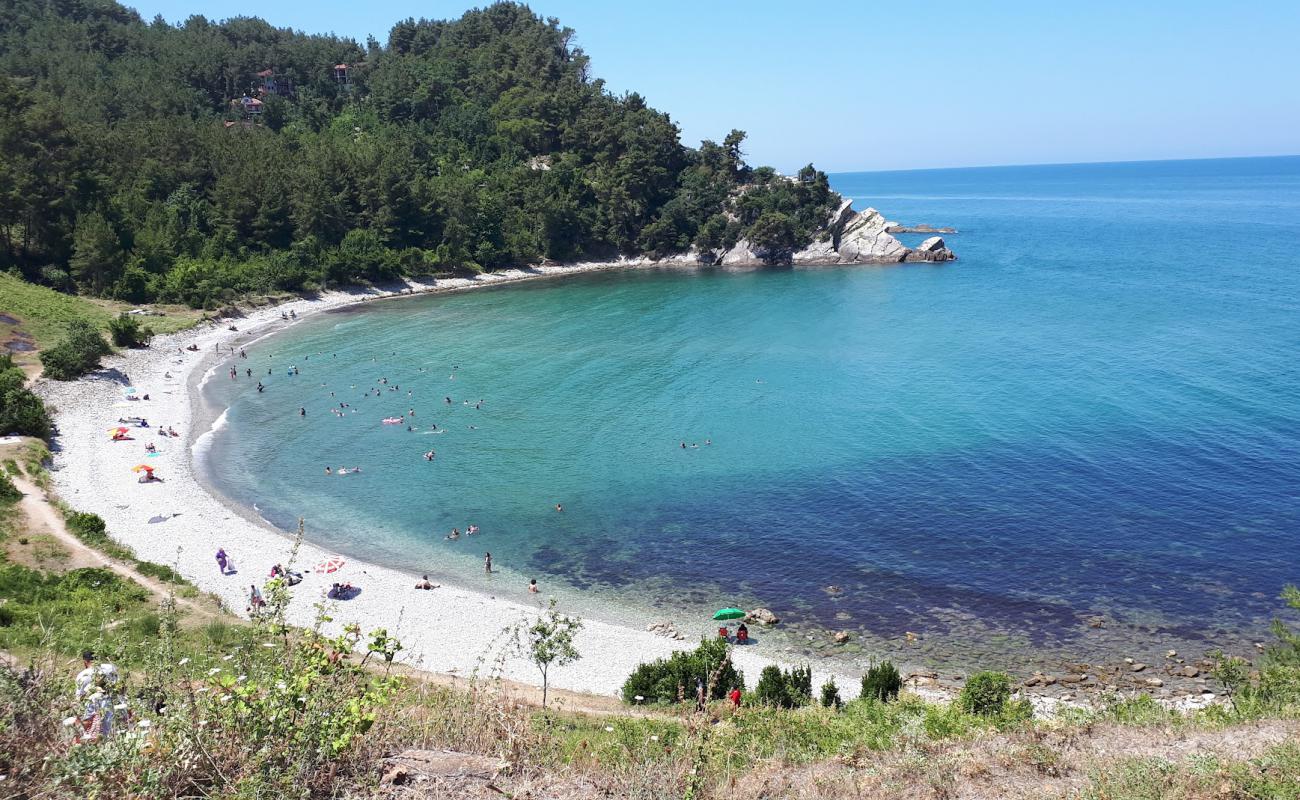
(932, 249)
(1189, 671)
(1137, 666)
(841, 637)
(863, 240)
(763, 616)
(1073, 678)
(1154, 683)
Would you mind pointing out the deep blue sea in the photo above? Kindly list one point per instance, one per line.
(1093, 413)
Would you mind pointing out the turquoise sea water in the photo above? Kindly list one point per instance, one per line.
(1095, 411)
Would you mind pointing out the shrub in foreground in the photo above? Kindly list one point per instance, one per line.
(784, 689)
(668, 680)
(882, 682)
(77, 354)
(986, 693)
(831, 695)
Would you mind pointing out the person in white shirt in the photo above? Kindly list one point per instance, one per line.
(96, 685)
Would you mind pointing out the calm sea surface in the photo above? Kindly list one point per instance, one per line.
(1095, 412)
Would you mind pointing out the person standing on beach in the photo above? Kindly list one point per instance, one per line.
(222, 560)
(487, 563)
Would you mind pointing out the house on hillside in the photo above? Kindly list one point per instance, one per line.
(273, 84)
(249, 107)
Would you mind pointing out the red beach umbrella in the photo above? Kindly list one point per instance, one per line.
(331, 564)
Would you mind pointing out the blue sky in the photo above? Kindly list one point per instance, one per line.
(869, 85)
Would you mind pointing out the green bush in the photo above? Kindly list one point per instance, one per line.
(772, 689)
(986, 693)
(667, 680)
(128, 332)
(21, 412)
(784, 689)
(8, 492)
(882, 682)
(831, 694)
(160, 571)
(77, 354)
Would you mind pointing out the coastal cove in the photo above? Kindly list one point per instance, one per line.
(1196, 589)
(864, 476)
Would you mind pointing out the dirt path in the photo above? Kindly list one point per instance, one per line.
(43, 517)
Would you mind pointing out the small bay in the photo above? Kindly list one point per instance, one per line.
(1092, 413)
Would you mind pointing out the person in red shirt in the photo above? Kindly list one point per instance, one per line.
(734, 697)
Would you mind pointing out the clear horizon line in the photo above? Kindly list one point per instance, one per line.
(1065, 163)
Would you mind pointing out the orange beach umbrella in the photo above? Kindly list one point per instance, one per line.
(142, 468)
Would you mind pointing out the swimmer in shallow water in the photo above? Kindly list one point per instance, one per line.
(429, 456)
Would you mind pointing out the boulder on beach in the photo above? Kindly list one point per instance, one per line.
(763, 616)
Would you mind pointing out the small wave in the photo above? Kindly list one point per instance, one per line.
(203, 443)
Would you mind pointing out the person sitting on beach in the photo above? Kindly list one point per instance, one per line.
(193, 348)
(532, 586)
(149, 448)
(423, 583)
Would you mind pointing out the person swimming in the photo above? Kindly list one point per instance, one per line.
(302, 412)
(454, 535)
(471, 530)
(429, 456)
(329, 471)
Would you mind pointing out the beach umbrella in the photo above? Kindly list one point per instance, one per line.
(331, 564)
(116, 432)
(142, 467)
(724, 614)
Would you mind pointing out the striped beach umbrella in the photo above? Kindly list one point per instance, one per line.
(331, 564)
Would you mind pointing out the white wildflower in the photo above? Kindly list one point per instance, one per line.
(268, 644)
(214, 670)
(654, 737)
(144, 723)
(183, 661)
(227, 658)
(120, 707)
(69, 722)
(609, 728)
(202, 689)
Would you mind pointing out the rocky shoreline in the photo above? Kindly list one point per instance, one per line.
(848, 237)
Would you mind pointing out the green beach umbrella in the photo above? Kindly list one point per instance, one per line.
(728, 613)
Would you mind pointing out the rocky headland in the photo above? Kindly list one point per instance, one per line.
(848, 237)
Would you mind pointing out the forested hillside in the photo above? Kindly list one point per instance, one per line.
(145, 161)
